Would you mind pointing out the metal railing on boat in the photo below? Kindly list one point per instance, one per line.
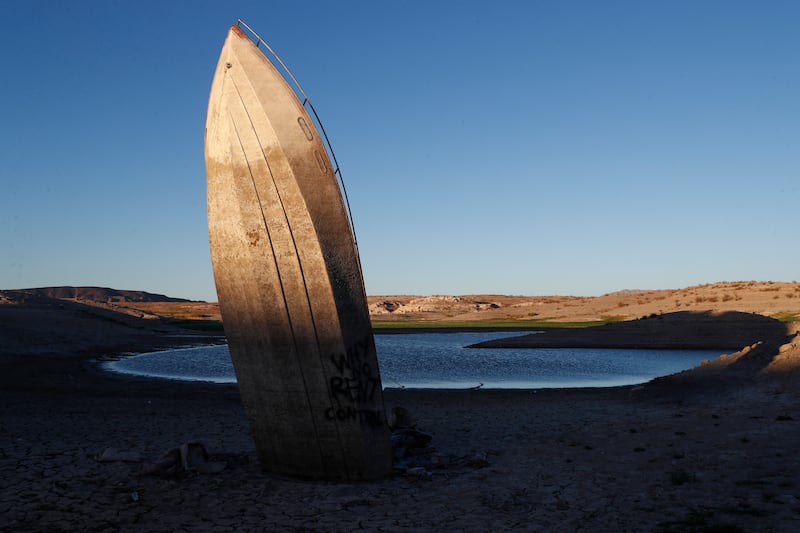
(306, 101)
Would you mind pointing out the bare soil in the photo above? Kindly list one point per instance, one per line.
(710, 449)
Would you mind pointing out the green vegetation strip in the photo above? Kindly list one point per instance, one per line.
(384, 326)
(211, 326)
(405, 326)
(787, 317)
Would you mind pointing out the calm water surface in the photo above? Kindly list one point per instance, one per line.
(439, 360)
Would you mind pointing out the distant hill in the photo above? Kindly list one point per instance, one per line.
(93, 294)
(779, 300)
(775, 299)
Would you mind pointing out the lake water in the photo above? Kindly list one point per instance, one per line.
(439, 360)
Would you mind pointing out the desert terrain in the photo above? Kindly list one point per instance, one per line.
(780, 300)
(710, 449)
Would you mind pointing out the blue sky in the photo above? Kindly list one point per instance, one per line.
(487, 147)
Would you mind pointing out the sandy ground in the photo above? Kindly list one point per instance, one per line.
(713, 449)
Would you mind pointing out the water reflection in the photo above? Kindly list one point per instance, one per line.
(439, 360)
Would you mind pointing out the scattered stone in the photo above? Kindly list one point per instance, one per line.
(478, 460)
(410, 439)
(112, 454)
(418, 472)
(188, 457)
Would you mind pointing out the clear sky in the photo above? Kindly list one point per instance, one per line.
(522, 147)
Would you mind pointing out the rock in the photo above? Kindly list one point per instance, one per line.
(401, 418)
(191, 456)
(409, 439)
(112, 454)
(478, 460)
(418, 472)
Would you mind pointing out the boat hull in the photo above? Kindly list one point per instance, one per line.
(288, 279)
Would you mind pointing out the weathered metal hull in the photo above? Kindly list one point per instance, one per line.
(288, 279)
